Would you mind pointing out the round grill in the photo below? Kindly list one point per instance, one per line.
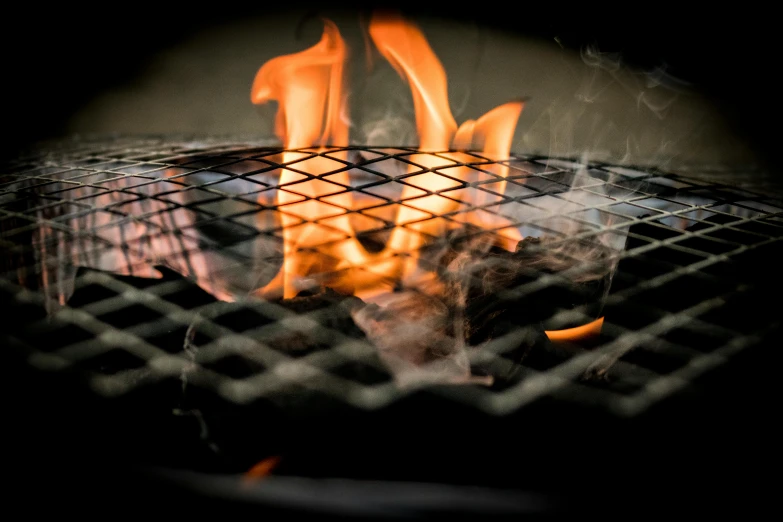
(131, 267)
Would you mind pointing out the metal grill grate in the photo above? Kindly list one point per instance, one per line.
(101, 233)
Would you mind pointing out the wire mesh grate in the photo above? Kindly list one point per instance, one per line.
(148, 255)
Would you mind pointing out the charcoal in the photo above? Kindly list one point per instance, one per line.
(484, 299)
(322, 297)
(330, 309)
(487, 293)
(413, 336)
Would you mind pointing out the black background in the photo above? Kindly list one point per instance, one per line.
(58, 58)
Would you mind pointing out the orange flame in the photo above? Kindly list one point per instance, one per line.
(261, 469)
(579, 333)
(408, 51)
(406, 48)
(315, 209)
(308, 87)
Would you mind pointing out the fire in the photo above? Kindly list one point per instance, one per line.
(317, 213)
(576, 334)
(308, 87)
(408, 51)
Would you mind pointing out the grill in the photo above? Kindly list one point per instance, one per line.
(131, 264)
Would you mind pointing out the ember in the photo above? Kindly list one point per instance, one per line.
(322, 317)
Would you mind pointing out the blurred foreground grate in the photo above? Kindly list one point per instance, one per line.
(112, 238)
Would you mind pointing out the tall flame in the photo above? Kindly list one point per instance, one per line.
(308, 87)
(408, 51)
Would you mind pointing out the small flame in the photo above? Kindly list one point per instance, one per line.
(579, 333)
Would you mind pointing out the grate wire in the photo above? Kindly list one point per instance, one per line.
(106, 215)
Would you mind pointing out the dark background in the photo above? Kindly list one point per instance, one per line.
(57, 59)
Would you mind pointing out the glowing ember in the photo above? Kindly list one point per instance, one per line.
(261, 469)
(576, 334)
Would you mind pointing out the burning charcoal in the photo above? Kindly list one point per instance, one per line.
(412, 333)
(424, 335)
(486, 287)
(330, 308)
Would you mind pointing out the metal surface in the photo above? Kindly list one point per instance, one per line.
(676, 308)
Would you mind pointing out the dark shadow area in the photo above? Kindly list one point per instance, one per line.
(57, 59)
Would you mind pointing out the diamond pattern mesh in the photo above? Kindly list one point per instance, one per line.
(110, 237)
